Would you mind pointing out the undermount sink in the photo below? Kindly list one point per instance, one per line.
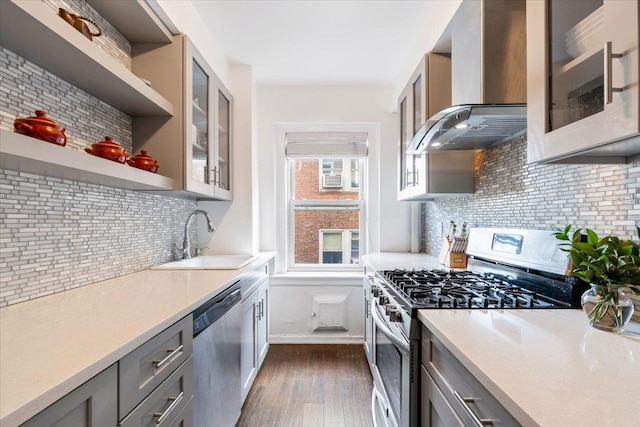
(209, 262)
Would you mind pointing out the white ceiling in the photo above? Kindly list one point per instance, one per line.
(320, 41)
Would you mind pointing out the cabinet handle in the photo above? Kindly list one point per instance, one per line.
(213, 176)
(158, 363)
(407, 174)
(162, 416)
(608, 78)
(465, 405)
(260, 310)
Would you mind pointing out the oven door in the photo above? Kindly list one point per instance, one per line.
(393, 372)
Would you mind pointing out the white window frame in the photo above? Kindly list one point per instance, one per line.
(337, 204)
(279, 237)
(347, 237)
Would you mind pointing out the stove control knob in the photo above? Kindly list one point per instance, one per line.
(395, 315)
(382, 300)
(375, 291)
(388, 308)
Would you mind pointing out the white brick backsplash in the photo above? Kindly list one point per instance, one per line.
(511, 193)
(99, 233)
(84, 117)
(58, 234)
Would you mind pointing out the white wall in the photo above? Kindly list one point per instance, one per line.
(278, 105)
(236, 221)
(294, 298)
(187, 20)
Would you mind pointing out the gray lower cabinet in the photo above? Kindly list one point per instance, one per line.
(164, 404)
(93, 404)
(142, 370)
(152, 386)
(184, 417)
(451, 395)
(255, 335)
(262, 343)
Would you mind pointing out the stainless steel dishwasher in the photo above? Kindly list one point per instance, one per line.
(216, 360)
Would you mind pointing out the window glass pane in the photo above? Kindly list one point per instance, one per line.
(332, 247)
(331, 257)
(355, 248)
(322, 179)
(332, 241)
(332, 166)
(355, 173)
(325, 212)
(310, 222)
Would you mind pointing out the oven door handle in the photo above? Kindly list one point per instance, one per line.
(400, 344)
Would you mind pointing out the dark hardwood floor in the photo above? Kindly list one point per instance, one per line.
(309, 385)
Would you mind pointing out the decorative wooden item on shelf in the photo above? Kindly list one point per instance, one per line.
(78, 22)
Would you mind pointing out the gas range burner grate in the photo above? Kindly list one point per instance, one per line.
(464, 289)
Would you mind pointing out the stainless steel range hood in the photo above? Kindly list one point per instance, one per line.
(470, 127)
(488, 71)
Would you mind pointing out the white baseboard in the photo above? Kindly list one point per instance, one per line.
(313, 339)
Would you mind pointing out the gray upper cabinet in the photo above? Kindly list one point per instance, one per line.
(93, 404)
(429, 175)
(193, 148)
(583, 78)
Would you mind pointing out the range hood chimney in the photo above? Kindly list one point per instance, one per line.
(488, 72)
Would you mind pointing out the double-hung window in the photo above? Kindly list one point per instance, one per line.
(326, 199)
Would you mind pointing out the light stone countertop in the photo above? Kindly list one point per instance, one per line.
(546, 367)
(51, 345)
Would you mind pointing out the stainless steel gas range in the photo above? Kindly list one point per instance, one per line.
(508, 269)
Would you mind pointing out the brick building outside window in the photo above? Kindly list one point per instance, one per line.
(327, 233)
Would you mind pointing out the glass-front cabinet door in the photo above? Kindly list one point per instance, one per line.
(199, 124)
(427, 92)
(582, 65)
(208, 129)
(407, 161)
(222, 178)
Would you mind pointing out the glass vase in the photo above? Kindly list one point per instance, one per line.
(608, 309)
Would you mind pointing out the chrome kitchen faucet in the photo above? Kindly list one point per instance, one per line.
(186, 249)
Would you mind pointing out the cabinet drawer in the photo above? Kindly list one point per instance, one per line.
(146, 367)
(94, 403)
(185, 417)
(436, 411)
(164, 404)
(460, 388)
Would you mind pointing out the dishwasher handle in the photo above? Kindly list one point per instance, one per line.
(215, 308)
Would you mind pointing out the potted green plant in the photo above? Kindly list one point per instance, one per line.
(609, 264)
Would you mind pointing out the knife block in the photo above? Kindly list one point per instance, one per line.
(449, 258)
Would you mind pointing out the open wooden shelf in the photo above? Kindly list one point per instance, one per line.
(34, 31)
(134, 19)
(25, 154)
